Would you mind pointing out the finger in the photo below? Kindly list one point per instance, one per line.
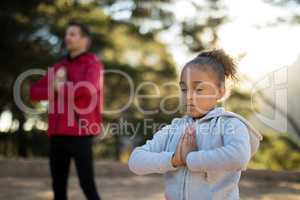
(193, 130)
(188, 135)
(180, 154)
(179, 144)
(180, 140)
(192, 139)
(194, 136)
(187, 130)
(179, 148)
(188, 138)
(185, 138)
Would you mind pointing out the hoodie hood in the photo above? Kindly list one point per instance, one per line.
(254, 135)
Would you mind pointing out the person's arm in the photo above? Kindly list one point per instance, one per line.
(234, 155)
(89, 86)
(152, 157)
(39, 90)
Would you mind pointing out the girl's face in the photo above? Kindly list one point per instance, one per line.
(200, 90)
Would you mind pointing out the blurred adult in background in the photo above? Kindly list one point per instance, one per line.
(73, 87)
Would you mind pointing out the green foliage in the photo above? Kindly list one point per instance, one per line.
(277, 152)
(31, 37)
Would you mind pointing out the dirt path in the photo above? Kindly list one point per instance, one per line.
(115, 183)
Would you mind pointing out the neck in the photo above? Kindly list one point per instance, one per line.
(75, 53)
(202, 115)
(198, 117)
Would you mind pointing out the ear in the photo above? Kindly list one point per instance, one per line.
(87, 42)
(221, 92)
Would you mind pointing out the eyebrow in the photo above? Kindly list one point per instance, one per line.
(197, 82)
(194, 82)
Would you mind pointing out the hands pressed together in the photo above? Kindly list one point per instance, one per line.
(60, 78)
(186, 144)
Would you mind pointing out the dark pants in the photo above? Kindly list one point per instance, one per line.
(62, 150)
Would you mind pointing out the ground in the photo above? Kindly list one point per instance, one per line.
(29, 180)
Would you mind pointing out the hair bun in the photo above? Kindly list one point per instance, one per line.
(229, 64)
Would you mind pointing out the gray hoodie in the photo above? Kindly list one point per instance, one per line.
(226, 141)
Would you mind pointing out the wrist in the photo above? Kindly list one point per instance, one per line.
(58, 85)
(174, 161)
(184, 160)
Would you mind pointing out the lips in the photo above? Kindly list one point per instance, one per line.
(190, 105)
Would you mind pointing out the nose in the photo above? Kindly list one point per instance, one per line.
(189, 96)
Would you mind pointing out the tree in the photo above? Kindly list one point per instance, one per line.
(31, 38)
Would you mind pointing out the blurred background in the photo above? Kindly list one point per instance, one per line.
(151, 40)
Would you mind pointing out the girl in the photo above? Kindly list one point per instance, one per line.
(203, 153)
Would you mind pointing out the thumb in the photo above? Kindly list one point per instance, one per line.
(193, 129)
(61, 71)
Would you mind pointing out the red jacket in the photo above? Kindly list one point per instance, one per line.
(75, 109)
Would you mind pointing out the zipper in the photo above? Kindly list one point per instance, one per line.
(184, 183)
(184, 173)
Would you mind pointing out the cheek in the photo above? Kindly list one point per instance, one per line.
(82, 43)
(206, 100)
(183, 97)
(212, 91)
(73, 39)
(203, 102)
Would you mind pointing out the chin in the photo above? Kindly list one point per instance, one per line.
(69, 49)
(196, 114)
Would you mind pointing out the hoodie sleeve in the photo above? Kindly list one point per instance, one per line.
(152, 157)
(40, 90)
(233, 155)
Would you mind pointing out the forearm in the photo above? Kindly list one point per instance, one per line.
(43, 88)
(227, 158)
(144, 162)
